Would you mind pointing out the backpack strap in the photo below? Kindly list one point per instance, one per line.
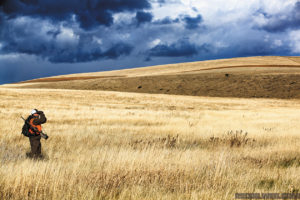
(30, 127)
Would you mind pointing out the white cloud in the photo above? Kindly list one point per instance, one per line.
(154, 43)
(123, 17)
(67, 35)
(218, 13)
(221, 45)
(124, 36)
(278, 43)
(267, 38)
(260, 20)
(9, 57)
(97, 40)
(295, 41)
(172, 10)
(277, 6)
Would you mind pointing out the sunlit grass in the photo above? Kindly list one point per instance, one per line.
(109, 145)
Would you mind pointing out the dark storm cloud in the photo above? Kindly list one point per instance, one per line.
(282, 22)
(74, 56)
(253, 45)
(22, 29)
(192, 22)
(188, 21)
(161, 1)
(182, 48)
(258, 49)
(118, 50)
(143, 17)
(1, 20)
(54, 46)
(166, 21)
(89, 13)
(78, 55)
(54, 33)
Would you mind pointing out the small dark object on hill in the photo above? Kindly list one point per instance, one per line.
(227, 75)
(139, 87)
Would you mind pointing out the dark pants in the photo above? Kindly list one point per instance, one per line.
(36, 146)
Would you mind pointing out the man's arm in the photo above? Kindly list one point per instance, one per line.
(41, 119)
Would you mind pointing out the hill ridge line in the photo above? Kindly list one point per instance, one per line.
(243, 66)
(73, 78)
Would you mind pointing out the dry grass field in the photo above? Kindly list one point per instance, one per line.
(186, 133)
(113, 145)
(260, 77)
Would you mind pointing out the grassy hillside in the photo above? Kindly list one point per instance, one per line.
(111, 145)
(266, 77)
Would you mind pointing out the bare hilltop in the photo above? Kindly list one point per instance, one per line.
(258, 77)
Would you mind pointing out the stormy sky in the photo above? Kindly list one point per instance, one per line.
(50, 37)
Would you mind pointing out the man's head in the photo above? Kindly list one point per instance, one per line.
(34, 111)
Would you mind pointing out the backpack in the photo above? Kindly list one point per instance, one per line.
(26, 127)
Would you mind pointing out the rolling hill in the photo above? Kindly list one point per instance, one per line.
(258, 77)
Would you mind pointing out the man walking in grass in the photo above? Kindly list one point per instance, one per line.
(35, 120)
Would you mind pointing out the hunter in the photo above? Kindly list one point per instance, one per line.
(35, 120)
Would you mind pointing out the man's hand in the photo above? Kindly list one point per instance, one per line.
(35, 129)
(44, 135)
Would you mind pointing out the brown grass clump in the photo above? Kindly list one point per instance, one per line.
(111, 145)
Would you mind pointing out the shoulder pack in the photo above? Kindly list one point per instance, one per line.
(26, 127)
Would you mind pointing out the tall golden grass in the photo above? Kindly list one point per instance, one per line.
(110, 145)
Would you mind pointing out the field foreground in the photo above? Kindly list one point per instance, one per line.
(113, 145)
